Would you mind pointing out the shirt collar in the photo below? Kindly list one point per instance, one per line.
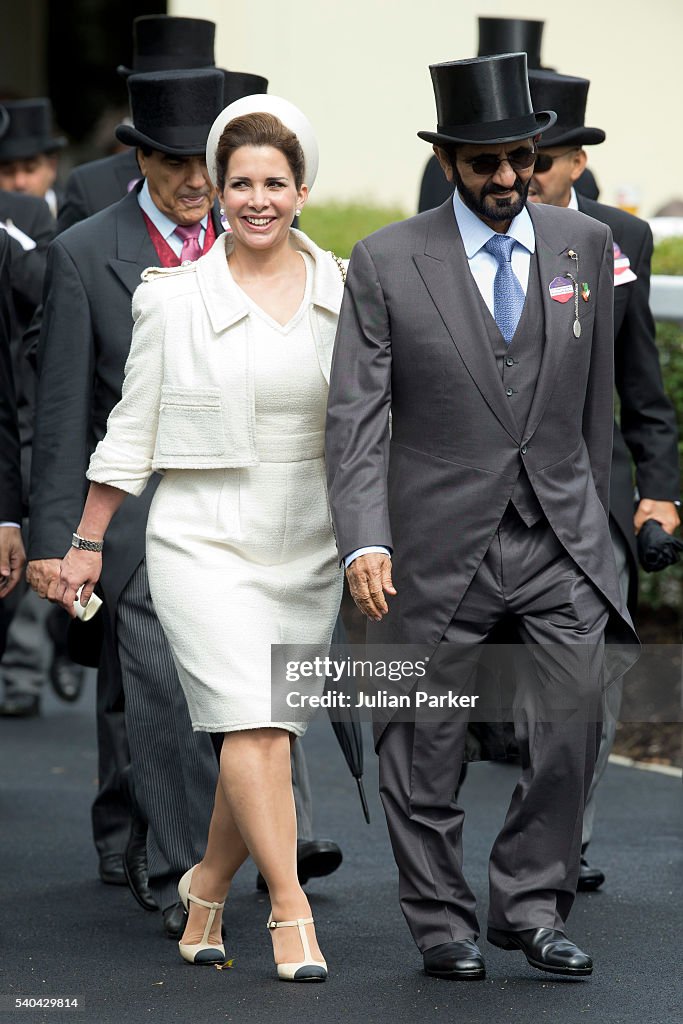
(475, 234)
(573, 203)
(164, 225)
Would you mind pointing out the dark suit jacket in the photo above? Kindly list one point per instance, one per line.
(411, 337)
(27, 275)
(10, 478)
(93, 270)
(647, 431)
(95, 186)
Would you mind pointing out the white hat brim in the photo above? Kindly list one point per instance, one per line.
(264, 103)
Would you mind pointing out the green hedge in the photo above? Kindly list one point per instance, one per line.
(338, 226)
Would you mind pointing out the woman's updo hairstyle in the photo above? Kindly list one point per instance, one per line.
(259, 129)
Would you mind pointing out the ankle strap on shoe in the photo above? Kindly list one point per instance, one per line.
(300, 921)
(205, 903)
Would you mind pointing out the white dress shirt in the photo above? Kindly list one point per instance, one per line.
(573, 203)
(483, 266)
(164, 225)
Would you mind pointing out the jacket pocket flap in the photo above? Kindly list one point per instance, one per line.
(195, 397)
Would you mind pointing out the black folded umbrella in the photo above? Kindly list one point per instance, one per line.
(350, 739)
(657, 549)
(347, 728)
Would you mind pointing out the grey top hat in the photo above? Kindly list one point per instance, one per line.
(484, 99)
(29, 131)
(567, 95)
(172, 111)
(163, 43)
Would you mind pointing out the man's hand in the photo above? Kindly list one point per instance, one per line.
(43, 576)
(369, 579)
(12, 558)
(79, 569)
(665, 512)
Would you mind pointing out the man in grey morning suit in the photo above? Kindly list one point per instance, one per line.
(491, 494)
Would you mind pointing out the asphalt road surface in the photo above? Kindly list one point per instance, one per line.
(64, 934)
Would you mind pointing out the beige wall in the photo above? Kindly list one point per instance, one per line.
(358, 69)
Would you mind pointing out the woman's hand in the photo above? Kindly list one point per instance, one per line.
(79, 568)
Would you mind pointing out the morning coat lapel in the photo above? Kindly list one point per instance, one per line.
(552, 250)
(446, 274)
(134, 249)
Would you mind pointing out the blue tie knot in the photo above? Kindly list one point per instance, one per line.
(501, 247)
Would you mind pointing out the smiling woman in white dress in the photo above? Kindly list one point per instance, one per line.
(225, 392)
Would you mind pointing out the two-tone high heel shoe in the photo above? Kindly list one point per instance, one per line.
(203, 952)
(307, 969)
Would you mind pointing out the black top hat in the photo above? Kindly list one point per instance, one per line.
(164, 43)
(511, 35)
(29, 131)
(4, 121)
(241, 83)
(173, 111)
(484, 99)
(568, 96)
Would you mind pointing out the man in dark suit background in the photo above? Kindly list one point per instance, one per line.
(93, 270)
(29, 151)
(160, 43)
(491, 491)
(29, 227)
(646, 436)
(12, 556)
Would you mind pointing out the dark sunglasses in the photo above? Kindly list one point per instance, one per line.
(486, 164)
(544, 161)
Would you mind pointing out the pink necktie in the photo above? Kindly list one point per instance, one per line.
(190, 237)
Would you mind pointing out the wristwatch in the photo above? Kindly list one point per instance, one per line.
(86, 545)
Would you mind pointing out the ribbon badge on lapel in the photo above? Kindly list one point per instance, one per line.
(564, 288)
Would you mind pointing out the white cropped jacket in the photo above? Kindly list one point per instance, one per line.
(188, 394)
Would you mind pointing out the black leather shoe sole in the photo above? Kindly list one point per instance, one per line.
(505, 941)
(477, 974)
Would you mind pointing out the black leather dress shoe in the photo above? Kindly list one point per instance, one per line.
(66, 678)
(135, 865)
(545, 948)
(315, 858)
(21, 705)
(590, 878)
(455, 961)
(111, 869)
(175, 919)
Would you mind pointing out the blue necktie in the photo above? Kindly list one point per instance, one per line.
(508, 294)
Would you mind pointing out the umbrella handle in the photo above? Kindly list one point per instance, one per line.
(363, 799)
